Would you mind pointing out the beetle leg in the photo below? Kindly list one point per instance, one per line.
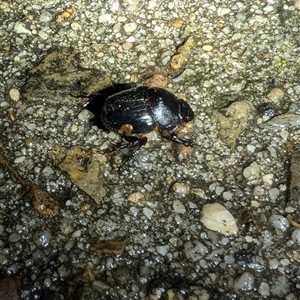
(173, 137)
(179, 140)
(136, 144)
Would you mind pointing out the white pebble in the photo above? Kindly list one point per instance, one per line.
(268, 179)
(296, 236)
(273, 263)
(222, 11)
(48, 171)
(227, 195)
(76, 26)
(14, 94)
(76, 233)
(84, 115)
(45, 17)
(31, 126)
(162, 250)
(245, 282)
(19, 159)
(274, 193)
(147, 212)
(279, 222)
(217, 218)
(181, 188)
(106, 18)
(130, 27)
(252, 172)
(43, 239)
(264, 289)
(178, 207)
(20, 28)
(251, 148)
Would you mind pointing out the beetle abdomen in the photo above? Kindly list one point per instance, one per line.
(128, 108)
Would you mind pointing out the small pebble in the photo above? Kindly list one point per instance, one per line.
(217, 218)
(181, 188)
(130, 27)
(252, 172)
(127, 46)
(264, 289)
(137, 198)
(207, 48)
(47, 171)
(268, 179)
(76, 26)
(279, 222)
(162, 250)
(45, 17)
(20, 28)
(222, 11)
(178, 207)
(296, 236)
(245, 282)
(147, 212)
(275, 94)
(14, 94)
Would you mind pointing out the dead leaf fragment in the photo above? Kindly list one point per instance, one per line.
(112, 247)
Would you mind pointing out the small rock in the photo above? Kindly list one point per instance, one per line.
(275, 95)
(279, 222)
(137, 198)
(281, 121)
(245, 282)
(207, 48)
(127, 46)
(264, 289)
(268, 179)
(147, 212)
(296, 236)
(217, 218)
(45, 17)
(162, 250)
(76, 26)
(130, 27)
(178, 207)
(252, 172)
(181, 188)
(14, 94)
(222, 11)
(20, 28)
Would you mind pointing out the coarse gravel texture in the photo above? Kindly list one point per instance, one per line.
(242, 50)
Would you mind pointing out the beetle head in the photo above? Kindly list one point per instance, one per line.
(186, 114)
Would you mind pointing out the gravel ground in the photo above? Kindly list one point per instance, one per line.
(145, 231)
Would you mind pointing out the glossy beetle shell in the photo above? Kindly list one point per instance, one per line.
(140, 108)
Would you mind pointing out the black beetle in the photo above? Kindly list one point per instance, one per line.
(136, 110)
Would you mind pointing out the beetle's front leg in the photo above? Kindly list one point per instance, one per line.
(175, 138)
